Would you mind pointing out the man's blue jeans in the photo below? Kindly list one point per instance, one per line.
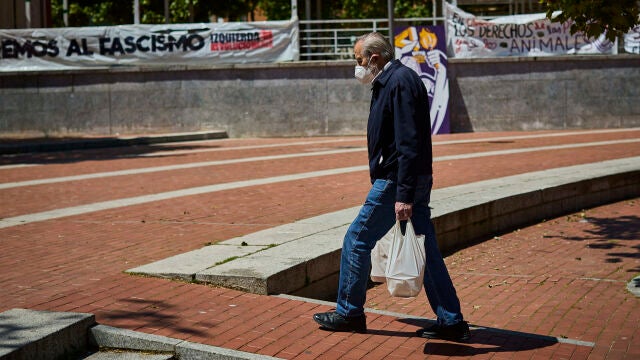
(376, 218)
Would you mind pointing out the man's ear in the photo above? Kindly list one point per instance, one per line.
(374, 60)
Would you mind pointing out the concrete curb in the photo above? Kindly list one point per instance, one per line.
(45, 146)
(466, 213)
(303, 258)
(114, 338)
(127, 355)
(633, 286)
(430, 321)
(31, 334)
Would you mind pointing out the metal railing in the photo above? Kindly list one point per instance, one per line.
(334, 39)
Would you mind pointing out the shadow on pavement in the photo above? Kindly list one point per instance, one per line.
(611, 233)
(483, 341)
(391, 333)
(94, 154)
(491, 345)
(151, 314)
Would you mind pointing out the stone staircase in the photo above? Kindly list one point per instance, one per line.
(43, 335)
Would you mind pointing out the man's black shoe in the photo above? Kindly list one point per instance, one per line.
(336, 322)
(457, 332)
(428, 331)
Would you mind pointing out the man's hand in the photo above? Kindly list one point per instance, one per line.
(403, 211)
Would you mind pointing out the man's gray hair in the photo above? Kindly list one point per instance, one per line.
(376, 43)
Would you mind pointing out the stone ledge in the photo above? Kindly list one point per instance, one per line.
(306, 254)
(105, 142)
(123, 339)
(31, 334)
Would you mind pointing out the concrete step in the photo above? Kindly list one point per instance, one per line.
(31, 334)
(35, 335)
(302, 258)
(127, 355)
(107, 337)
(46, 145)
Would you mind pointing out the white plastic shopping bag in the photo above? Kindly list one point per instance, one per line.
(405, 265)
(379, 256)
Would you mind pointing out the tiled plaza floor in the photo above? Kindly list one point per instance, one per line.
(554, 290)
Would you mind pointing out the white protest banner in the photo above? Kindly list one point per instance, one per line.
(211, 43)
(516, 35)
(632, 41)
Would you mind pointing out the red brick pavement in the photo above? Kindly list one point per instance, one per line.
(562, 278)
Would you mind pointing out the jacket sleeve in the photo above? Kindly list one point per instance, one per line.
(406, 126)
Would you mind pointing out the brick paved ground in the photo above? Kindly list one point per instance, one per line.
(563, 278)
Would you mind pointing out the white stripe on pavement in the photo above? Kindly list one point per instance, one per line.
(534, 136)
(172, 167)
(264, 146)
(182, 152)
(244, 147)
(14, 166)
(137, 200)
(295, 155)
(473, 327)
(446, 142)
(533, 149)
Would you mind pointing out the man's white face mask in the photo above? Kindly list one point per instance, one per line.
(364, 74)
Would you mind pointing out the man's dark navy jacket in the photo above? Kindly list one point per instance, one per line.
(399, 130)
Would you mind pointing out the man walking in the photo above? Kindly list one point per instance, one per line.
(400, 166)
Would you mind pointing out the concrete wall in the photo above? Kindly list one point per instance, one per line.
(318, 98)
(278, 99)
(545, 93)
